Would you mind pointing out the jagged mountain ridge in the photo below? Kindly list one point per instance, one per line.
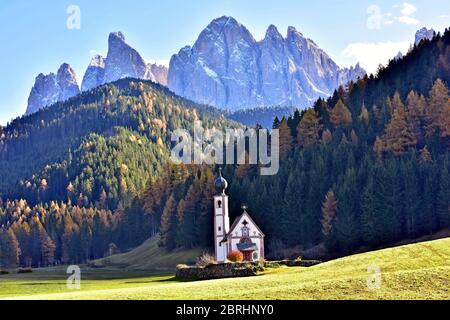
(122, 61)
(228, 68)
(52, 88)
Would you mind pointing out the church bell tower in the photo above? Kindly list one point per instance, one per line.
(221, 218)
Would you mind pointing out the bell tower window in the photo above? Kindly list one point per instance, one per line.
(219, 204)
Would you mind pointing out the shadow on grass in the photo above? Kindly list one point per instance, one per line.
(171, 279)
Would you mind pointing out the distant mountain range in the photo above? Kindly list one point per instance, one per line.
(122, 61)
(225, 68)
(228, 68)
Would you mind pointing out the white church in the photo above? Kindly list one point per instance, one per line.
(244, 235)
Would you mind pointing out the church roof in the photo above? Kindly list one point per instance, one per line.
(247, 246)
(236, 222)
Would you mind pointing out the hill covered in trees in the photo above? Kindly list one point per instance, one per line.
(68, 171)
(102, 145)
(363, 169)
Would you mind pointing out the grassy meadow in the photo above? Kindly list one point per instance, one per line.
(417, 271)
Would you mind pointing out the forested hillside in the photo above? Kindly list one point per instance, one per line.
(70, 170)
(366, 168)
(108, 140)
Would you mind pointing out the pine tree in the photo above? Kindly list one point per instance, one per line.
(364, 117)
(327, 136)
(437, 102)
(329, 208)
(308, 131)
(347, 222)
(369, 233)
(354, 137)
(341, 115)
(444, 121)
(286, 140)
(9, 248)
(276, 123)
(187, 219)
(168, 224)
(425, 156)
(443, 201)
(398, 137)
(416, 114)
(103, 200)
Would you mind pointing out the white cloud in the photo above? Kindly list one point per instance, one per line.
(371, 55)
(404, 13)
(408, 20)
(407, 10)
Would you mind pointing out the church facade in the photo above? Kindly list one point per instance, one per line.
(243, 235)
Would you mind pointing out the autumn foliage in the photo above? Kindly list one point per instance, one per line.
(235, 256)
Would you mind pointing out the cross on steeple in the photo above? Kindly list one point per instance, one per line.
(244, 207)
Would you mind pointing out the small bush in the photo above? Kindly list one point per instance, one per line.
(235, 256)
(4, 272)
(272, 264)
(25, 270)
(205, 260)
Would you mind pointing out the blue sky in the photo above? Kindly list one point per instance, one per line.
(35, 36)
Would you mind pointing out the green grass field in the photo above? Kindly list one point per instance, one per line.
(417, 271)
(149, 256)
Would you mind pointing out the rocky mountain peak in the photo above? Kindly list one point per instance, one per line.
(272, 33)
(122, 60)
(97, 61)
(292, 32)
(116, 36)
(51, 88)
(95, 73)
(424, 34)
(66, 79)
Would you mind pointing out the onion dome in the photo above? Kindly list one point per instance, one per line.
(220, 183)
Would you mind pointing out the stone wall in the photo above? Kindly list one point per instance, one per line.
(218, 271)
(233, 270)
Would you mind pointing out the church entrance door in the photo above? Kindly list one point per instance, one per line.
(247, 256)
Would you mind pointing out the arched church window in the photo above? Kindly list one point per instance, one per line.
(219, 204)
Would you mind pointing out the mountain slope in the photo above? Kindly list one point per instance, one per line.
(228, 68)
(112, 138)
(148, 256)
